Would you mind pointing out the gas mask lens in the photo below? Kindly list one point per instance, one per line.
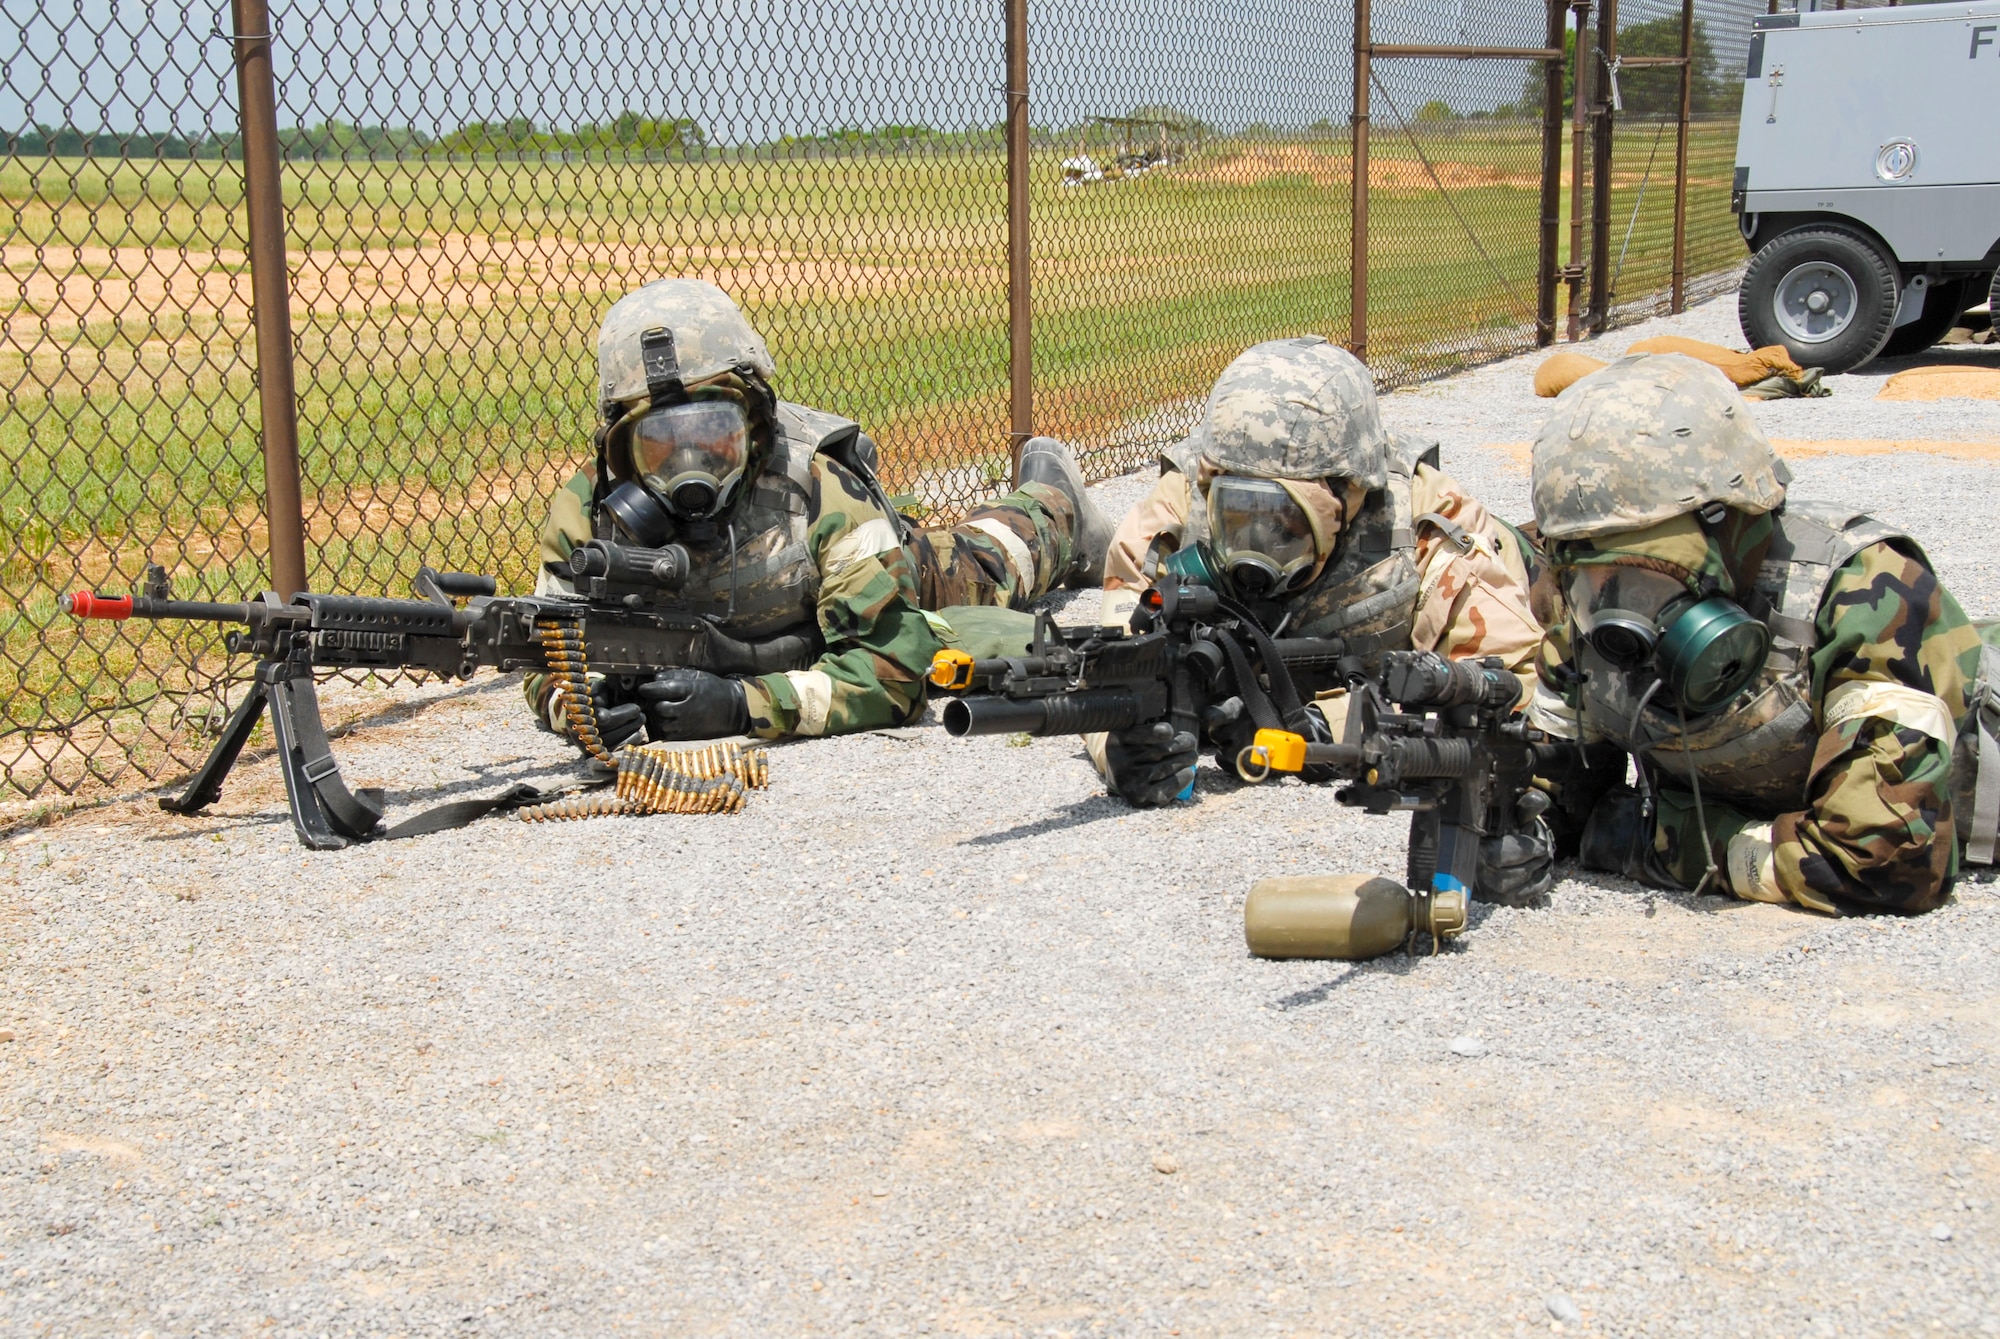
(1263, 538)
(691, 456)
(1617, 609)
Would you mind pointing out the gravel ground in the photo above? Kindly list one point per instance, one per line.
(935, 1038)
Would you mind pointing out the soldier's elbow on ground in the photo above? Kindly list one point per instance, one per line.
(1869, 876)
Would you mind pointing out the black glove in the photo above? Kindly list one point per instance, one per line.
(1227, 727)
(1317, 731)
(619, 718)
(1516, 869)
(1152, 763)
(693, 704)
(1618, 837)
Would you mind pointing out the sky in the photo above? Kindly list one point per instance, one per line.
(751, 70)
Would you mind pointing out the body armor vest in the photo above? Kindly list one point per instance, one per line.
(1367, 593)
(759, 579)
(1757, 751)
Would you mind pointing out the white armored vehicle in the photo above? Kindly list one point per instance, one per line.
(1868, 178)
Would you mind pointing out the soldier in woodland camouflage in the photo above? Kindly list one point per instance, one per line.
(790, 533)
(1831, 670)
(1327, 525)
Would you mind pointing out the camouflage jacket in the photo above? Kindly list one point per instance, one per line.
(853, 577)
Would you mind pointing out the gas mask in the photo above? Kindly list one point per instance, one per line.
(688, 460)
(1265, 542)
(1701, 645)
(691, 456)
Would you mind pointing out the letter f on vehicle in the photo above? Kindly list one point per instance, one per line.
(1982, 36)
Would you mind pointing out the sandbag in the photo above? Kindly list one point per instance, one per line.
(1745, 369)
(1560, 371)
(1943, 383)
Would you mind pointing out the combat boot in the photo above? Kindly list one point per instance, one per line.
(1044, 460)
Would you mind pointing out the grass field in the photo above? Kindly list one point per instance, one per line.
(444, 316)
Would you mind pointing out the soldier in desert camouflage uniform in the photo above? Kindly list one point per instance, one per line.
(1327, 525)
(1792, 673)
(789, 533)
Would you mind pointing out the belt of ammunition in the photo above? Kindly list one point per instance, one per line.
(562, 647)
(655, 780)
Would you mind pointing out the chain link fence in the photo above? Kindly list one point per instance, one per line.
(1643, 197)
(1189, 198)
(467, 187)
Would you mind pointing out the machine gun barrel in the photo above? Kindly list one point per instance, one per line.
(118, 608)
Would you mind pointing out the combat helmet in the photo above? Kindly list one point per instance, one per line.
(1644, 440)
(708, 338)
(1296, 409)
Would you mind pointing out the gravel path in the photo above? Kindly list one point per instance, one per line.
(936, 1039)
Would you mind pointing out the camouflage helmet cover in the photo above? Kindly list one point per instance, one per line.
(710, 337)
(1646, 439)
(1296, 409)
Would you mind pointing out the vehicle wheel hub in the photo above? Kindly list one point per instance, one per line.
(1815, 302)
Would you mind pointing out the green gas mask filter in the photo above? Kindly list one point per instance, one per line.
(1710, 652)
(1193, 566)
(1704, 648)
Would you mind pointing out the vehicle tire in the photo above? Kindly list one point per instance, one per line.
(1944, 303)
(1827, 294)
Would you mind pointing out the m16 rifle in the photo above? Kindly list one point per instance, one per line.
(1187, 648)
(1443, 740)
(625, 621)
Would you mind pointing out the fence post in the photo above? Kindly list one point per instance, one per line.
(270, 293)
(1603, 114)
(1578, 142)
(1020, 319)
(1679, 299)
(1552, 166)
(1357, 241)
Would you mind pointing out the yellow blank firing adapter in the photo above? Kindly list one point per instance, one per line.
(951, 670)
(1271, 751)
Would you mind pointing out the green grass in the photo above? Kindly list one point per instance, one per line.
(434, 417)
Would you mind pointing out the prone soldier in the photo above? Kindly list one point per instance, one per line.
(789, 532)
(1292, 498)
(1790, 676)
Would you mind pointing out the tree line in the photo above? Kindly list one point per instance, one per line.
(629, 133)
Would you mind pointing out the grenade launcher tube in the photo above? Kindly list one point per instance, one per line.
(1083, 712)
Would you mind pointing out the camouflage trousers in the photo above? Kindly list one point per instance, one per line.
(1007, 553)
